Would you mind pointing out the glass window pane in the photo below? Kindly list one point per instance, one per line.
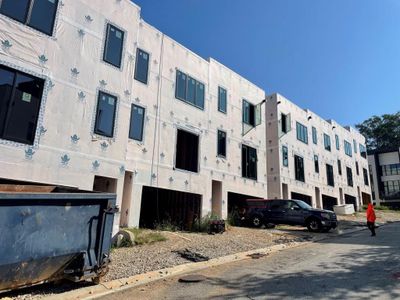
(246, 112)
(180, 91)
(105, 115)
(199, 94)
(6, 84)
(24, 109)
(221, 143)
(142, 66)
(137, 120)
(43, 15)
(222, 99)
(191, 90)
(16, 9)
(113, 46)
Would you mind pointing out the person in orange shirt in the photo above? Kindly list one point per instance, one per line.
(371, 219)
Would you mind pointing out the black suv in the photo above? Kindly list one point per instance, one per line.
(260, 212)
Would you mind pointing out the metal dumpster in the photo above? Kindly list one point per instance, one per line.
(51, 236)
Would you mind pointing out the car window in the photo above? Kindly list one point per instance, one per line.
(277, 205)
(292, 205)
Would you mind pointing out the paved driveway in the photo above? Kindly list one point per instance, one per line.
(354, 266)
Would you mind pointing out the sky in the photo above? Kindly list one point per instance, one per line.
(340, 59)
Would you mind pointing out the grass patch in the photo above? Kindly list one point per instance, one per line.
(143, 237)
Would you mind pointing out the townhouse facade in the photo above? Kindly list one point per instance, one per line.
(93, 97)
(385, 177)
(309, 158)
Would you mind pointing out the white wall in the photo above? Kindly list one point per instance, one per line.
(279, 174)
(64, 113)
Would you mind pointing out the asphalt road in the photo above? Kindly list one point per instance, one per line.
(354, 266)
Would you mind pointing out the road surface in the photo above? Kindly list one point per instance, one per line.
(354, 266)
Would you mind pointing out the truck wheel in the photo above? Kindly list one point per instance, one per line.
(256, 221)
(314, 225)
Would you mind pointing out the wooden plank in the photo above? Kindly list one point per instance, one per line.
(17, 188)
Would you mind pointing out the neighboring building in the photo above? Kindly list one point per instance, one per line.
(385, 177)
(312, 159)
(93, 97)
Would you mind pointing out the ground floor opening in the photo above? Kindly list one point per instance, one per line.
(366, 198)
(163, 207)
(328, 202)
(237, 201)
(306, 198)
(351, 200)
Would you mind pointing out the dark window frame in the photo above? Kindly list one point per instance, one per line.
(285, 156)
(251, 118)
(197, 83)
(145, 81)
(246, 162)
(223, 155)
(330, 177)
(221, 89)
(142, 123)
(314, 134)
(348, 148)
(10, 106)
(339, 164)
(299, 173)
(349, 175)
(327, 142)
(28, 17)
(337, 142)
(106, 39)
(197, 165)
(316, 164)
(301, 133)
(365, 174)
(95, 130)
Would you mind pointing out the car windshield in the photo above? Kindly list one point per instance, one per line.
(302, 204)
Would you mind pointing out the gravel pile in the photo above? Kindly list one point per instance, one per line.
(140, 259)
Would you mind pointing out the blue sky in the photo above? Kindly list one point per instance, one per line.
(341, 58)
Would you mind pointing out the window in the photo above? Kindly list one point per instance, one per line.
(337, 142)
(20, 99)
(142, 66)
(38, 14)
(391, 186)
(113, 46)
(314, 135)
(349, 174)
(327, 142)
(285, 157)
(189, 90)
(365, 173)
(105, 114)
(339, 166)
(329, 175)
(363, 151)
(392, 169)
(355, 146)
(347, 148)
(302, 133)
(249, 162)
(187, 151)
(221, 143)
(299, 168)
(357, 170)
(316, 164)
(222, 99)
(248, 113)
(137, 123)
(285, 123)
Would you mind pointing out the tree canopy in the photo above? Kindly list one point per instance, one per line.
(382, 133)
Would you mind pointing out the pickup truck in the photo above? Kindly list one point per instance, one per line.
(260, 212)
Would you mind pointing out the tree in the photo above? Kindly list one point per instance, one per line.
(382, 133)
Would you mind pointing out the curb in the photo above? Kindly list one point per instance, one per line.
(113, 286)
